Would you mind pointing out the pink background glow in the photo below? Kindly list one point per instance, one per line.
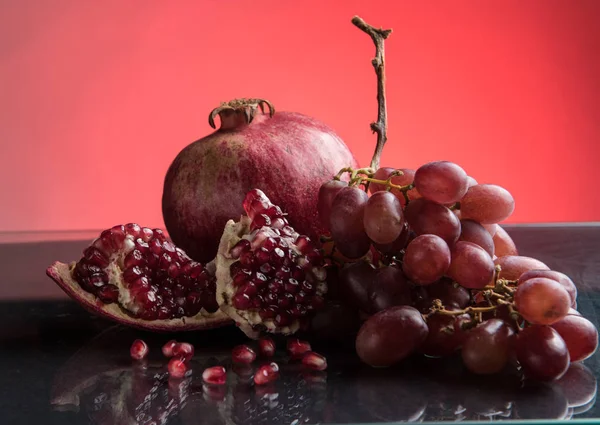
(97, 98)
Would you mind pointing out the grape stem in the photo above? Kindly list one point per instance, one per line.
(378, 35)
(438, 308)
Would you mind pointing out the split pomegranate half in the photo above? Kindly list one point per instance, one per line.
(268, 276)
(136, 276)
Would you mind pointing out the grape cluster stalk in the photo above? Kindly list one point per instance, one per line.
(421, 255)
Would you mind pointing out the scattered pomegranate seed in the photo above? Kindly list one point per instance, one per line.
(314, 361)
(216, 375)
(266, 374)
(266, 347)
(138, 350)
(177, 368)
(183, 350)
(297, 348)
(243, 354)
(167, 349)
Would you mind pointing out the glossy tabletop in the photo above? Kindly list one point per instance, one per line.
(60, 365)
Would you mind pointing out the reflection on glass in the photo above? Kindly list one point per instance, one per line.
(105, 386)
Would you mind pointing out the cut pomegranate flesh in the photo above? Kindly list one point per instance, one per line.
(268, 277)
(136, 276)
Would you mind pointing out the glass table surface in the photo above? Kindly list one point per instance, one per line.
(62, 365)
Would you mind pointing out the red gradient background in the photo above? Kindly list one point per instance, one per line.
(97, 98)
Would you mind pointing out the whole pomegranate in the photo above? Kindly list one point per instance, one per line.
(288, 155)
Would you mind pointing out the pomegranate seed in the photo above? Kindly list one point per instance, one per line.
(159, 234)
(133, 229)
(291, 286)
(277, 256)
(266, 268)
(304, 244)
(247, 259)
(314, 361)
(196, 270)
(141, 245)
(262, 256)
(132, 274)
(283, 273)
(147, 234)
(146, 299)
(278, 223)
(260, 220)
(297, 348)
(266, 374)
(167, 349)
(138, 350)
(259, 238)
(168, 246)
(274, 211)
(108, 294)
(141, 284)
(177, 368)
(242, 246)
(269, 244)
(260, 280)
(243, 354)
(288, 231)
(268, 313)
(276, 287)
(298, 310)
(300, 297)
(241, 277)
(254, 202)
(298, 274)
(308, 287)
(95, 256)
(164, 313)
(266, 347)
(242, 301)
(134, 258)
(248, 289)
(183, 350)
(216, 375)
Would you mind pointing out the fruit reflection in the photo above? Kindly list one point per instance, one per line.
(105, 386)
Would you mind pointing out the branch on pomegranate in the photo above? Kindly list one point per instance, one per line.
(380, 126)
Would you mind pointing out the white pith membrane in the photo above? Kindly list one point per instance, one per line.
(125, 310)
(250, 321)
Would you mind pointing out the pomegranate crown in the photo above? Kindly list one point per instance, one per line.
(245, 106)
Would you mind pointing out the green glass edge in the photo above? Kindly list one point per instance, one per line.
(504, 422)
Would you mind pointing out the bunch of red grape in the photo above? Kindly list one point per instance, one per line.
(424, 259)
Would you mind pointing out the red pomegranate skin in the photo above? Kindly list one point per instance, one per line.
(288, 156)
